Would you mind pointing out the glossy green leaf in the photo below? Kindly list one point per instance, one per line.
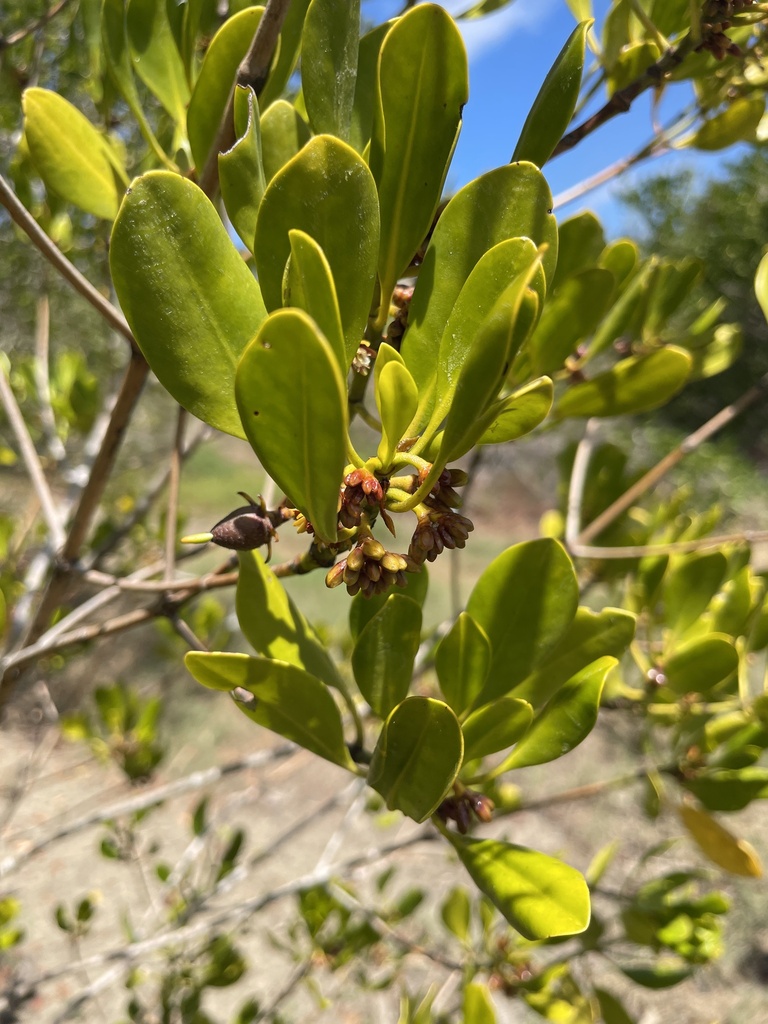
(289, 701)
(199, 20)
(580, 9)
(538, 895)
(329, 64)
(565, 721)
(700, 664)
(524, 601)
(477, 1005)
(719, 354)
(737, 123)
(729, 789)
(462, 663)
(690, 585)
(366, 97)
(274, 626)
(423, 86)
(396, 400)
(637, 384)
(117, 57)
(308, 285)
(659, 975)
(287, 54)
(761, 285)
(190, 299)
(624, 317)
(417, 757)
(216, 81)
(736, 856)
(581, 241)
(327, 191)
(74, 160)
(620, 257)
(485, 309)
(513, 201)
(732, 608)
(569, 317)
(633, 61)
(293, 406)
(241, 170)
(156, 59)
(383, 656)
(495, 727)
(670, 286)
(519, 413)
(555, 103)
(591, 635)
(362, 609)
(284, 132)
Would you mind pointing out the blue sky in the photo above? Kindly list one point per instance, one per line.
(510, 53)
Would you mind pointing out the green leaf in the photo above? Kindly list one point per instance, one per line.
(396, 400)
(289, 701)
(718, 354)
(538, 895)
(659, 975)
(689, 586)
(480, 330)
(462, 662)
(568, 318)
(611, 1009)
(327, 191)
(366, 86)
(216, 81)
(495, 727)
(591, 635)
(623, 318)
(274, 626)
(383, 656)
(565, 721)
(287, 55)
(117, 56)
(669, 287)
(736, 856)
(156, 60)
(701, 664)
(329, 64)
(581, 241)
(362, 609)
(308, 285)
(737, 123)
(509, 202)
(761, 285)
(455, 911)
(74, 160)
(729, 789)
(417, 757)
(477, 1005)
(519, 413)
(631, 63)
(423, 86)
(620, 257)
(241, 170)
(637, 384)
(293, 407)
(525, 601)
(190, 299)
(284, 132)
(555, 103)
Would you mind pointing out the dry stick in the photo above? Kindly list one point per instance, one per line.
(143, 801)
(32, 27)
(56, 257)
(42, 378)
(32, 462)
(688, 445)
(622, 100)
(253, 71)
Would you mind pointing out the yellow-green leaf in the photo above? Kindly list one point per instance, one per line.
(736, 856)
(396, 400)
(241, 169)
(156, 60)
(308, 285)
(283, 133)
(329, 64)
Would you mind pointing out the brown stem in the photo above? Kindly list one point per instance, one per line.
(688, 445)
(622, 101)
(253, 71)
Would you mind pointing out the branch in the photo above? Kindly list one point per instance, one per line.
(621, 101)
(21, 216)
(32, 462)
(32, 27)
(253, 71)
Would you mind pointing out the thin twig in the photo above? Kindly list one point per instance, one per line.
(253, 72)
(688, 445)
(187, 634)
(174, 477)
(145, 800)
(32, 462)
(56, 257)
(32, 27)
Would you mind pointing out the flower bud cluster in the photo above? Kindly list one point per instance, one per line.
(370, 569)
(436, 531)
(461, 806)
(716, 20)
(362, 490)
(401, 302)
